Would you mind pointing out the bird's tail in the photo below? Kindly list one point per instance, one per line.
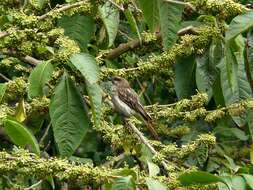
(149, 122)
(151, 129)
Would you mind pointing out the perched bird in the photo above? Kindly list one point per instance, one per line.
(126, 102)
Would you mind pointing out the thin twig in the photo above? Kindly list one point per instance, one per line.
(34, 185)
(63, 8)
(4, 77)
(177, 2)
(122, 48)
(45, 134)
(121, 8)
(144, 141)
(114, 159)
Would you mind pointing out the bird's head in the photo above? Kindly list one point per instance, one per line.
(119, 82)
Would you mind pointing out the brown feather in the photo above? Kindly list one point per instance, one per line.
(130, 97)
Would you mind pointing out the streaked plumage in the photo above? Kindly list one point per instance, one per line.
(126, 102)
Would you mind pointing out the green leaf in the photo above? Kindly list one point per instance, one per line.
(151, 13)
(240, 134)
(206, 72)
(249, 179)
(38, 78)
(87, 65)
(132, 22)
(110, 17)
(95, 95)
(234, 83)
(170, 15)
(20, 113)
(239, 183)
(124, 183)
(79, 28)
(199, 177)
(68, 116)
(232, 164)
(20, 135)
(155, 185)
(185, 77)
(153, 169)
(2, 90)
(239, 24)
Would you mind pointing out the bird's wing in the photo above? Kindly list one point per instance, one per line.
(130, 97)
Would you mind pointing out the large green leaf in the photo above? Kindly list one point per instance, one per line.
(38, 78)
(185, 77)
(239, 183)
(239, 24)
(154, 184)
(249, 179)
(110, 17)
(199, 177)
(170, 20)
(20, 135)
(2, 90)
(151, 13)
(95, 94)
(206, 72)
(68, 116)
(234, 82)
(79, 28)
(132, 22)
(87, 65)
(124, 183)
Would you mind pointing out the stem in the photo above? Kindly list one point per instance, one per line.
(45, 134)
(144, 141)
(4, 77)
(177, 2)
(34, 185)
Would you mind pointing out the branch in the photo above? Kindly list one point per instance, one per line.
(178, 2)
(4, 34)
(122, 48)
(31, 60)
(28, 59)
(63, 8)
(144, 141)
(4, 77)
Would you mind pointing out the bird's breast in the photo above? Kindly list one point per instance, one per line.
(122, 107)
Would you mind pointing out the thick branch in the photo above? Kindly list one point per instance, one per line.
(31, 60)
(28, 59)
(122, 48)
(3, 34)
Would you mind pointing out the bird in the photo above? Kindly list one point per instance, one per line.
(127, 103)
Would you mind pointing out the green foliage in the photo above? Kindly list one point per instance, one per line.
(110, 18)
(124, 183)
(20, 135)
(56, 56)
(69, 118)
(38, 79)
(87, 65)
(170, 18)
(79, 28)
